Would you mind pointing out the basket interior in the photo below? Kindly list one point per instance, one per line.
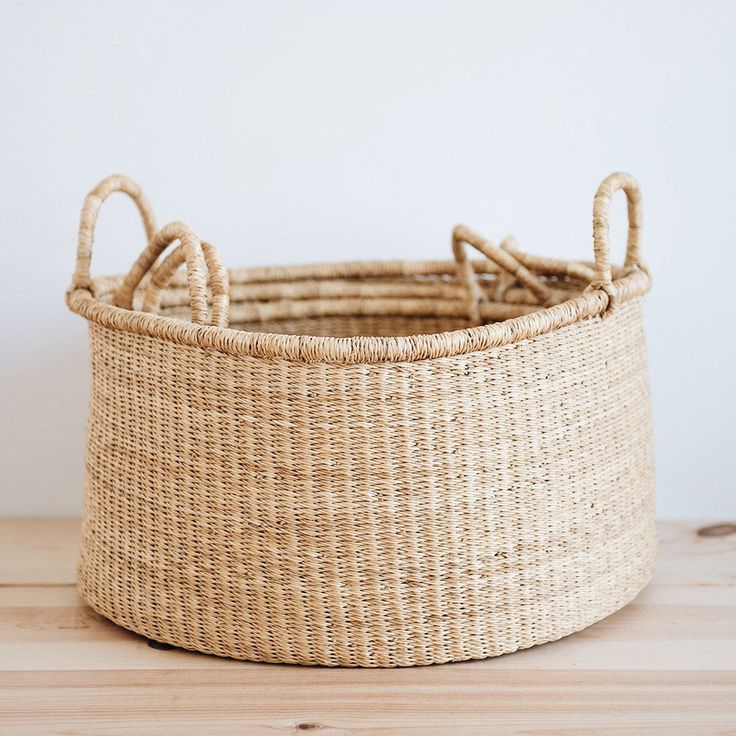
(379, 299)
(358, 325)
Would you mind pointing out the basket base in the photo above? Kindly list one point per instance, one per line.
(497, 649)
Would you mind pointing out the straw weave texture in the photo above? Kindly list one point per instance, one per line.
(415, 483)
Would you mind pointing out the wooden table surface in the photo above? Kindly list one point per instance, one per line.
(666, 664)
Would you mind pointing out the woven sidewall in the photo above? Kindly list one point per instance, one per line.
(369, 514)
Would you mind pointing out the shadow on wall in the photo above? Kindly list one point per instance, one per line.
(46, 396)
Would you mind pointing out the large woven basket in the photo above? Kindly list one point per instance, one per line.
(365, 464)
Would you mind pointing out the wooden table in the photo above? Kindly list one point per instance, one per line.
(666, 664)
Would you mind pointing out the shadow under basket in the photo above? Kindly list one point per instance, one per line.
(365, 464)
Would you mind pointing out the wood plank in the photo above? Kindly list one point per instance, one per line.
(66, 634)
(43, 551)
(438, 700)
(686, 556)
(38, 551)
(665, 664)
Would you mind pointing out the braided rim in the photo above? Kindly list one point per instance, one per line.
(346, 350)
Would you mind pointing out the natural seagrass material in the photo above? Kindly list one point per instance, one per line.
(374, 464)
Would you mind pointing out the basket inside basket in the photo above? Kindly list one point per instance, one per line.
(383, 299)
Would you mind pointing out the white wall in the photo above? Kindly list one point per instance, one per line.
(308, 131)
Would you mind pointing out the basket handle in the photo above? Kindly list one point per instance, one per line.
(88, 219)
(603, 280)
(218, 280)
(204, 267)
(503, 258)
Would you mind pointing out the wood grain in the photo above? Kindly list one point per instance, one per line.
(666, 664)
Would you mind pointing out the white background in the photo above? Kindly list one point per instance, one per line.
(312, 131)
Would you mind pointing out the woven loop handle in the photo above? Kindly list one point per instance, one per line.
(601, 233)
(218, 280)
(203, 265)
(503, 258)
(88, 219)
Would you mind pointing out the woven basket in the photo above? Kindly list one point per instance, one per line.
(365, 464)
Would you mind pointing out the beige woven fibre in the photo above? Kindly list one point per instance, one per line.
(365, 464)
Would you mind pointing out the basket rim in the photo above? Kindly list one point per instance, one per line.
(591, 304)
(608, 286)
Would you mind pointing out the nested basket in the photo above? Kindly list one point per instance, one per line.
(365, 464)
